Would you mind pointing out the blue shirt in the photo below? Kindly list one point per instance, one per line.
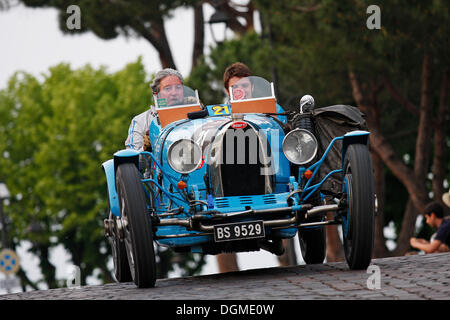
(443, 233)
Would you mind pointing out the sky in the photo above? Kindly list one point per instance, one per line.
(32, 42)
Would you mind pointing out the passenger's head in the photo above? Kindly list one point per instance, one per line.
(233, 77)
(433, 212)
(168, 84)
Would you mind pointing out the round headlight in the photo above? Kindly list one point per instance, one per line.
(300, 146)
(184, 156)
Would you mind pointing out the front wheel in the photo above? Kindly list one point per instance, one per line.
(136, 224)
(358, 220)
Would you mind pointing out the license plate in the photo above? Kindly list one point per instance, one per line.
(238, 231)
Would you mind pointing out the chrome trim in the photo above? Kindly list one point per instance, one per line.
(183, 235)
(309, 224)
(321, 223)
(175, 222)
(216, 158)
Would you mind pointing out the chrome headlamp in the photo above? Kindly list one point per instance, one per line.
(300, 146)
(184, 156)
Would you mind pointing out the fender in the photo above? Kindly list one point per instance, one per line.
(126, 156)
(352, 137)
(108, 168)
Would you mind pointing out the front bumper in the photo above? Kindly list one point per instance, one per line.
(273, 209)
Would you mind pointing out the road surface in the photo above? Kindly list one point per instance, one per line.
(423, 277)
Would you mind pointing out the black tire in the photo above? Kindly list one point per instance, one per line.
(122, 271)
(358, 223)
(313, 244)
(137, 227)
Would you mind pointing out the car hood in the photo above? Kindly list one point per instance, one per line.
(209, 133)
(203, 131)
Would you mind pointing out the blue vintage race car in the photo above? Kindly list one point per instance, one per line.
(237, 177)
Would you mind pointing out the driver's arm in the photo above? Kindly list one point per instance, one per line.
(428, 247)
(135, 139)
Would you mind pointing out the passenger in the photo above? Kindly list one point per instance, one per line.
(440, 241)
(233, 77)
(168, 84)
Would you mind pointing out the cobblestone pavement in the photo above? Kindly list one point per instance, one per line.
(421, 277)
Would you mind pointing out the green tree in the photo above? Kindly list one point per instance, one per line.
(55, 135)
(324, 48)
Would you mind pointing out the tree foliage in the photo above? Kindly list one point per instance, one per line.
(397, 75)
(55, 134)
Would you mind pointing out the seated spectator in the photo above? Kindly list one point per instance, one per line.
(440, 241)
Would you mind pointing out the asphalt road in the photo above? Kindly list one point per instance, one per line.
(421, 277)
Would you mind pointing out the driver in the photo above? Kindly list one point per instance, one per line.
(171, 89)
(168, 85)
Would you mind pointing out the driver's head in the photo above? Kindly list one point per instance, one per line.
(168, 84)
(233, 77)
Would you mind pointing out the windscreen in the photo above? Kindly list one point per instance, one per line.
(250, 88)
(176, 95)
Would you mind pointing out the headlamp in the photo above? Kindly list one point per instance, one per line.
(184, 156)
(300, 146)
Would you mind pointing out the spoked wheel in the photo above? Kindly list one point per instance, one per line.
(313, 244)
(137, 227)
(121, 267)
(358, 222)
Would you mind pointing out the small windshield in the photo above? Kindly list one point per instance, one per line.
(250, 88)
(176, 95)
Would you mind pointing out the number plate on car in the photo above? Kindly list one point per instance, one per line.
(238, 231)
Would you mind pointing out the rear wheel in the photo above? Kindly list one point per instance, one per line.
(313, 244)
(358, 221)
(119, 254)
(137, 227)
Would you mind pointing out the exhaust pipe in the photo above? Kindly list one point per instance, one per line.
(320, 210)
